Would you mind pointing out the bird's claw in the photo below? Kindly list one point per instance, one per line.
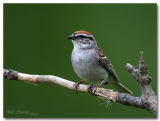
(92, 89)
(76, 85)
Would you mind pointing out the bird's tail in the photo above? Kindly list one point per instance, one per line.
(121, 88)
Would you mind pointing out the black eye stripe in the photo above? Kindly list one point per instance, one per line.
(90, 38)
(83, 36)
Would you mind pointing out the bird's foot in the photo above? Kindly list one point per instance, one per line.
(93, 88)
(76, 85)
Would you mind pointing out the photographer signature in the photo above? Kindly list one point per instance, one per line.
(21, 112)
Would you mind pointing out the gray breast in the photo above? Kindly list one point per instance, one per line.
(86, 65)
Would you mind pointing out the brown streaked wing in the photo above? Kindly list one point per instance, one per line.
(104, 61)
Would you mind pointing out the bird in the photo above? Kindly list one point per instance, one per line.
(90, 63)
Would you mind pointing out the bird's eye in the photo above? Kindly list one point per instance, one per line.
(81, 36)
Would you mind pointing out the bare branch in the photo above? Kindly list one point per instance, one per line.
(15, 75)
(147, 100)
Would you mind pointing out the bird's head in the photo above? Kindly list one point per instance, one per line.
(83, 39)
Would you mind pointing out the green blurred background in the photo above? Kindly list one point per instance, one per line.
(35, 42)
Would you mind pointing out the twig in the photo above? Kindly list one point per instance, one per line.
(147, 100)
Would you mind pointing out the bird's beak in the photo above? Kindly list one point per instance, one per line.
(71, 37)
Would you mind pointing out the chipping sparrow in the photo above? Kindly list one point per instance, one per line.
(90, 63)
